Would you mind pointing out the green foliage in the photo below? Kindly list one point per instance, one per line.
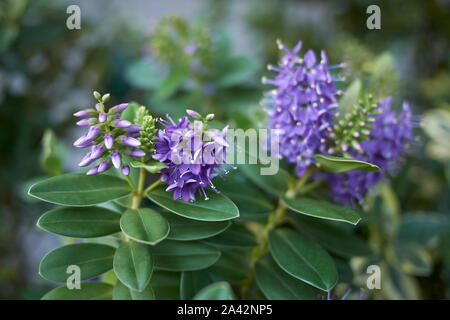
(340, 164)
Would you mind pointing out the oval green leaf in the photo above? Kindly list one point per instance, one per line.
(236, 236)
(183, 256)
(183, 229)
(122, 292)
(322, 210)
(216, 291)
(144, 225)
(339, 164)
(79, 189)
(278, 285)
(339, 241)
(217, 208)
(80, 222)
(93, 260)
(303, 259)
(88, 291)
(192, 282)
(166, 285)
(133, 265)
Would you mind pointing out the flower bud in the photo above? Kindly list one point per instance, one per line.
(115, 157)
(193, 114)
(97, 95)
(109, 141)
(210, 117)
(126, 170)
(106, 97)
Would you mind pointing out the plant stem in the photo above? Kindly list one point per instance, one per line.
(152, 186)
(139, 193)
(276, 218)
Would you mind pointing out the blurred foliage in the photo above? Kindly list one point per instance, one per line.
(47, 72)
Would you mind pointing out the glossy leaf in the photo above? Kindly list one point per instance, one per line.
(79, 189)
(276, 184)
(183, 229)
(278, 285)
(192, 282)
(331, 237)
(80, 222)
(122, 292)
(217, 208)
(339, 164)
(152, 166)
(183, 256)
(93, 260)
(303, 259)
(232, 266)
(144, 225)
(216, 291)
(133, 265)
(322, 210)
(88, 291)
(166, 285)
(235, 236)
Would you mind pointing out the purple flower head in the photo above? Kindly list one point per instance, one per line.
(109, 137)
(193, 155)
(387, 143)
(302, 105)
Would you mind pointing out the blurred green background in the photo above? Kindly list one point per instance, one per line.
(210, 55)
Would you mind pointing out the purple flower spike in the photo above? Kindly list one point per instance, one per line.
(102, 117)
(93, 170)
(115, 157)
(109, 141)
(104, 166)
(302, 105)
(122, 124)
(129, 141)
(126, 170)
(387, 143)
(137, 153)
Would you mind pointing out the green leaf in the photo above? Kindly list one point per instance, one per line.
(170, 85)
(52, 155)
(235, 236)
(216, 291)
(80, 222)
(303, 259)
(252, 203)
(237, 70)
(276, 184)
(130, 112)
(152, 167)
(79, 189)
(339, 164)
(322, 210)
(183, 229)
(350, 99)
(133, 265)
(192, 282)
(93, 260)
(412, 258)
(166, 284)
(183, 256)
(331, 237)
(144, 225)
(422, 228)
(88, 291)
(217, 208)
(278, 285)
(122, 292)
(144, 74)
(232, 266)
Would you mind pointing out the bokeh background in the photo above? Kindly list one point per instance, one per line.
(210, 55)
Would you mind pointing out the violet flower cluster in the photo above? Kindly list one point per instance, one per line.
(109, 138)
(303, 104)
(194, 154)
(386, 144)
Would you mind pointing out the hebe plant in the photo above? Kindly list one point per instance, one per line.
(172, 230)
